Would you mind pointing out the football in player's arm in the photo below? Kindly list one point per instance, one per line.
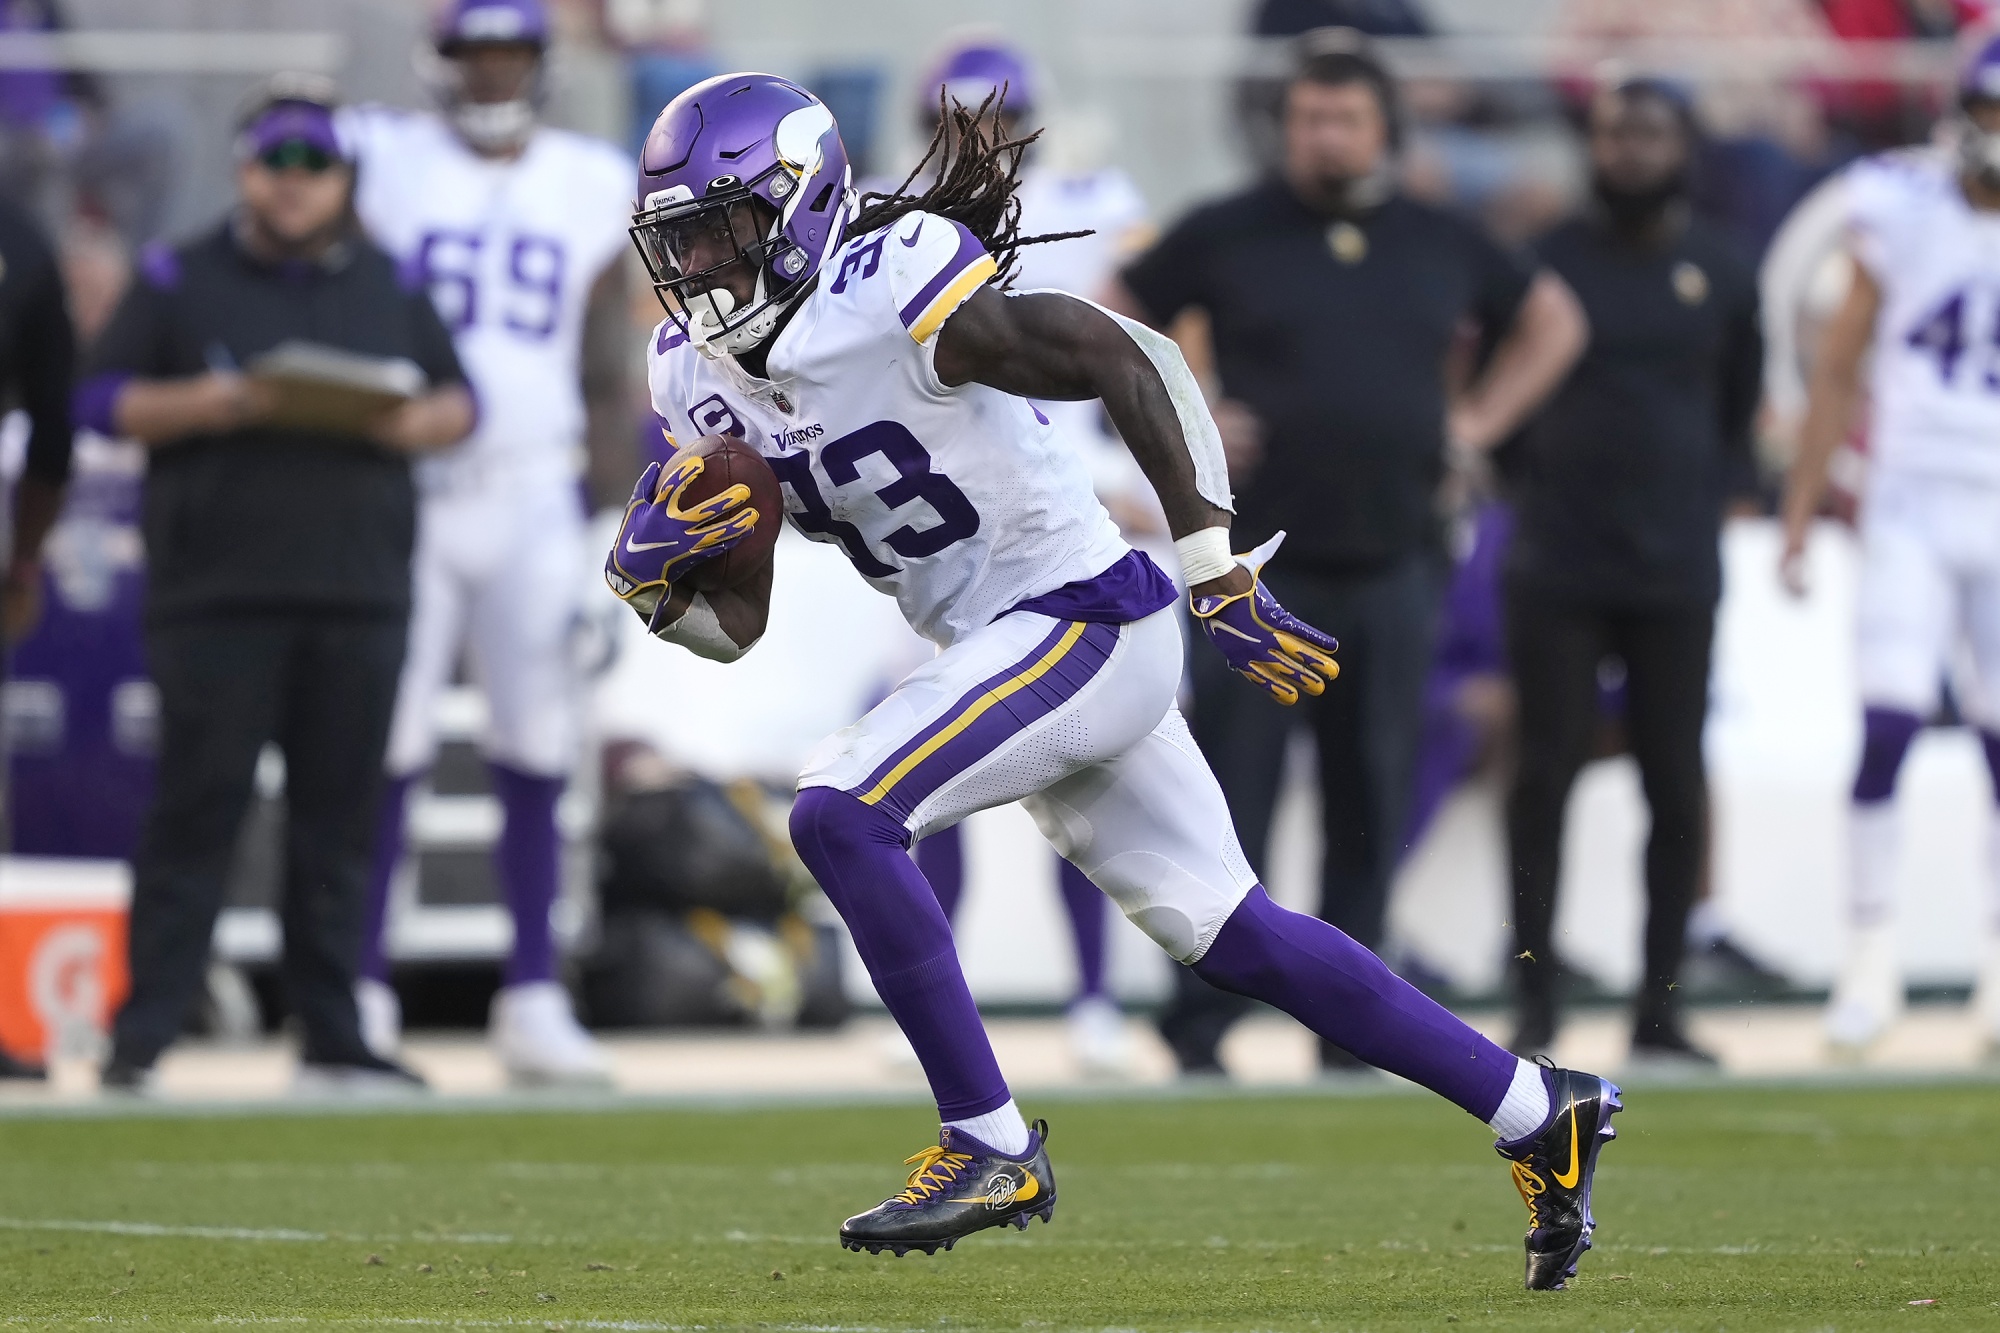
(1038, 345)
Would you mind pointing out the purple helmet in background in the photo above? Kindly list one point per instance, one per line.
(1979, 81)
(756, 155)
(461, 27)
(971, 70)
(464, 22)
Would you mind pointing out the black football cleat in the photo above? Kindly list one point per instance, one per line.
(959, 1187)
(1553, 1170)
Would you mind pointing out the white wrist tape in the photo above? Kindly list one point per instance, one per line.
(701, 633)
(1204, 555)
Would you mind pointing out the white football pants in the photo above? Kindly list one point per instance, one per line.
(1077, 722)
(499, 570)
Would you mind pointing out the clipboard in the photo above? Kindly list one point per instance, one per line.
(331, 390)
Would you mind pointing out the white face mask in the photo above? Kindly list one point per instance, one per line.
(495, 127)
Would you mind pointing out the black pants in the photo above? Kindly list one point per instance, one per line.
(1554, 648)
(322, 687)
(1367, 726)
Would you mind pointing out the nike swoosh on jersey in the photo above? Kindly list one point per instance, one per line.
(1568, 1181)
(912, 239)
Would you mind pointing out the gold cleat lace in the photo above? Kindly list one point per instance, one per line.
(936, 1170)
(1531, 1186)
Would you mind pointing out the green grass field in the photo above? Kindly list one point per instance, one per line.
(1754, 1208)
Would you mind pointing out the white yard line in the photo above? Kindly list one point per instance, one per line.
(239, 1233)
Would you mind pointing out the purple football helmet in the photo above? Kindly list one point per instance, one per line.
(740, 155)
(971, 71)
(490, 127)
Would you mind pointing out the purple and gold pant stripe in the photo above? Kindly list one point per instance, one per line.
(988, 715)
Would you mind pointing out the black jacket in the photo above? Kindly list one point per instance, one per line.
(266, 518)
(1620, 480)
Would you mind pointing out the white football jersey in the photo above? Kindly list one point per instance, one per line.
(510, 249)
(1935, 381)
(958, 502)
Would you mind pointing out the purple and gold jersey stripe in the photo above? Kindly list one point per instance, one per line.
(964, 272)
(985, 717)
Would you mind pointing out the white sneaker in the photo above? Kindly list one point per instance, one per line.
(381, 1017)
(1868, 995)
(535, 1033)
(1097, 1035)
(1986, 999)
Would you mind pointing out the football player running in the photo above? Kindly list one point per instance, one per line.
(518, 229)
(1924, 232)
(867, 349)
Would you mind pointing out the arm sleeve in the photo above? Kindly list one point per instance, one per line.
(1167, 279)
(431, 342)
(1501, 278)
(1740, 388)
(1875, 191)
(47, 376)
(133, 345)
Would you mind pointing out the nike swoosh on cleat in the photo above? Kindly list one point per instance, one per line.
(639, 548)
(1568, 1181)
(911, 240)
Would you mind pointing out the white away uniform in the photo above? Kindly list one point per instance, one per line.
(1930, 522)
(961, 504)
(510, 249)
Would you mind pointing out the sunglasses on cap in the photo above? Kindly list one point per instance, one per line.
(298, 155)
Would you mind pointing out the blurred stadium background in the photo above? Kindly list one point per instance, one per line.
(115, 120)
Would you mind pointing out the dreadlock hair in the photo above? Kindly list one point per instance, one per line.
(978, 170)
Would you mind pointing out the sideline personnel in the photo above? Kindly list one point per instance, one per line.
(1334, 301)
(1623, 480)
(37, 360)
(278, 570)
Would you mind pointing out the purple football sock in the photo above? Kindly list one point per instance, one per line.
(1085, 902)
(859, 855)
(941, 856)
(1886, 734)
(529, 860)
(388, 851)
(1350, 997)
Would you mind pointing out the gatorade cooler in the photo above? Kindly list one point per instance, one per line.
(62, 954)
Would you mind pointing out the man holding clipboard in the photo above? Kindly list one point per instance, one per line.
(283, 375)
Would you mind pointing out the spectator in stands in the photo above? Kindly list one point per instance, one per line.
(37, 355)
(278, 569)
(1622, 483)
(1333, 301)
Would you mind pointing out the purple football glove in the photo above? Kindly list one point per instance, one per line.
(1263, 642)
(661, 539)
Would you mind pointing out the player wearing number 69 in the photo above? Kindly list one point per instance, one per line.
(517, 230)
(1922, 312)
(867, 349)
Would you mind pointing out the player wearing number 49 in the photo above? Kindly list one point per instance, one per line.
(1923, 307)
(868, 351)
(517, 229)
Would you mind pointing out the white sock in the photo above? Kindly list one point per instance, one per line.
(1871, 872)
(1001, 1129)
(1525, 1107)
